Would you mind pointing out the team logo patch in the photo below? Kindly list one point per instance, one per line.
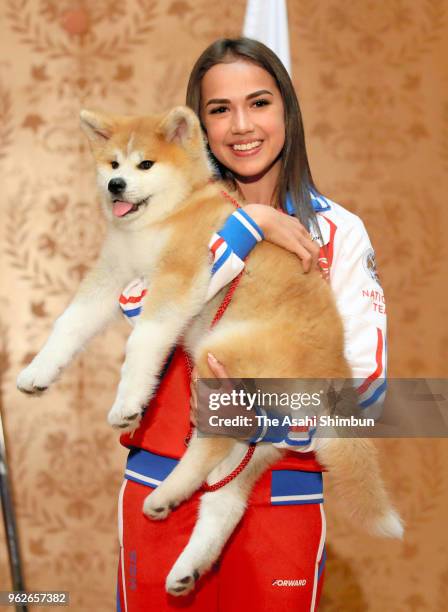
(369, 264)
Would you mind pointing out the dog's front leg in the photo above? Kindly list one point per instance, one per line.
(95, 304)
(219, 513)
(202, 456)
(172, 302)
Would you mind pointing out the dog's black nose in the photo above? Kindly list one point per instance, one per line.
(116, 185)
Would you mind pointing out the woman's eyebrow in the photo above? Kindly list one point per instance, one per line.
(218, 101)
(255, 94)
(259, 93)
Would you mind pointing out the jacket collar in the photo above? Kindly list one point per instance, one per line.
(318, 201)
(320, 204)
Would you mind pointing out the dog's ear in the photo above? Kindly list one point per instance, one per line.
(180, 125)
(97, 126)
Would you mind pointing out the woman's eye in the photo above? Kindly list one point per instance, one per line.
(114, 165)
(145, 165)
(218, 109)
(262, 102)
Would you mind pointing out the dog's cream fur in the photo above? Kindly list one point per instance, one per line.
(280, 324)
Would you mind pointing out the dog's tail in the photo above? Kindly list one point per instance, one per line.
(353, 464)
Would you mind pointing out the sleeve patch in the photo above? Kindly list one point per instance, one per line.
(369, 264)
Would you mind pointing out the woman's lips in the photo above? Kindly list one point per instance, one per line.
(247, 152)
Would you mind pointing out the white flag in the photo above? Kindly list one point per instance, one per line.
(267, 21)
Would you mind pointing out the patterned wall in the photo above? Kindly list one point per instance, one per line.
(372, 81)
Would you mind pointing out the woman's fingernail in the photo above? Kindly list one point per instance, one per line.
(212, 358)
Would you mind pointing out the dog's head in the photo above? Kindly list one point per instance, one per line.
(146, 166)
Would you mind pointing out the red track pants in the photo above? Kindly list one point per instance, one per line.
(273, 562)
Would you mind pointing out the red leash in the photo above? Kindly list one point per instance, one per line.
(219, 313)
(227, 299)
(221, 483)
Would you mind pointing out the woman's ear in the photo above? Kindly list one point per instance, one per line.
(180, 126)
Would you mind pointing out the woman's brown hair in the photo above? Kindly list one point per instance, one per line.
(295, 176)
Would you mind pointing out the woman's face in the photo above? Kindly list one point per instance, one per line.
(242, 112)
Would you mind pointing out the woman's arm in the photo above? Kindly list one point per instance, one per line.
(285, 231)
(360, 300)
(244, 229)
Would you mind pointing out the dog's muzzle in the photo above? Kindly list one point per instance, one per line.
(116, 185)
(120, 206)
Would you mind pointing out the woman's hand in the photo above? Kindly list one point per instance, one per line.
(218, 370)
(286, 232)
(244, 431)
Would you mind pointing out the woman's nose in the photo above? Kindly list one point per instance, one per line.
(242, 122)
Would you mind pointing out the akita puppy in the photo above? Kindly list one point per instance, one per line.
(161, 210)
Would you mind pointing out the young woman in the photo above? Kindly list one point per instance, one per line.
(275, 558)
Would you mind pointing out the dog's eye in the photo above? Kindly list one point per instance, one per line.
(114, 164)
(145, 165)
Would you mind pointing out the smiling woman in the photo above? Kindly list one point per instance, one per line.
(251, 120)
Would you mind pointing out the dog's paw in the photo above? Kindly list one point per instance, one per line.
(181, 579)
(36, 378)
(157, 506)
(125, 415)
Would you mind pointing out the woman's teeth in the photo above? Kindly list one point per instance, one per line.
(246, 147)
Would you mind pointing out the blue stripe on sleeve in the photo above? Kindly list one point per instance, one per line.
(221, 260)
(374, 398)
(133, 312)
(249, 219)
(260, 427)
(274, 433)
(300, 441)
(240, 240)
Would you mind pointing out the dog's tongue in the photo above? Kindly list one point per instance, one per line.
(121, 208)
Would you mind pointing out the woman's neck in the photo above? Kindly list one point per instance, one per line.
(260, 189)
